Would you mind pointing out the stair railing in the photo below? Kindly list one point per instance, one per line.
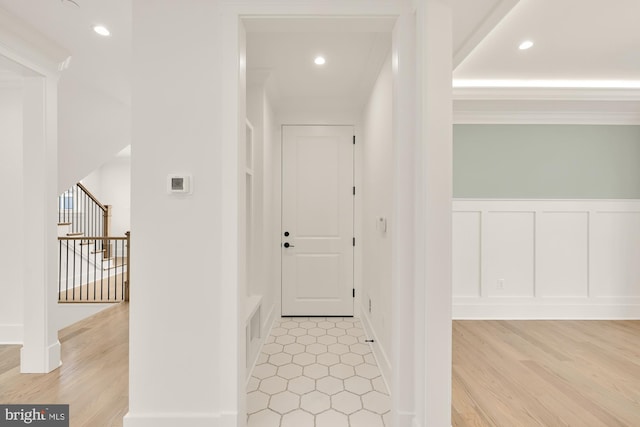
(93, 266)
(84, 214)
(86, 275)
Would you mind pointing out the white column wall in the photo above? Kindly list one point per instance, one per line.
(404, 327)
(433, 225)
(11, 245)
(177, 306)
(41, 348)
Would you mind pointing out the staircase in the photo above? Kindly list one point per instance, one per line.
(93, 266)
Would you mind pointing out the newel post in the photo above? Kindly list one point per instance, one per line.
(126, 283)
(106, 226)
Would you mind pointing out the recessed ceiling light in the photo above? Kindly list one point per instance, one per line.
(319, 60)
(102, 30)
(525, 45)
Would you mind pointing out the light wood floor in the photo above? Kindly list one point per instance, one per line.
(505, 373)
(546, 373)
(93, 378)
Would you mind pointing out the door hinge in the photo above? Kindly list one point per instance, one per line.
(354, 241)
(354, 191)
(354, 139)
(354, 292)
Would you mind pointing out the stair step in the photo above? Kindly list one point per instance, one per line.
(113, 267)
(75, 234)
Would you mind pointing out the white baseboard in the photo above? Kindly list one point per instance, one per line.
(11, 334)
(594, 308)
(173, 420)
(378, 352)
(32, 362)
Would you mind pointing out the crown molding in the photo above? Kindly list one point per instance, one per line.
(546, 106)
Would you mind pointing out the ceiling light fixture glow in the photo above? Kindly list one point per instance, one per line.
(320, 60)
(525, 45)
(102, 30)
(551, 84)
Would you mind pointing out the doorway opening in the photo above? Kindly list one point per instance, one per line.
(288, 92)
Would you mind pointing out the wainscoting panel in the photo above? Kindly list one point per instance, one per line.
(562, 254)
(508, 254)
(466, 253)
(616, 246)
(548, 259)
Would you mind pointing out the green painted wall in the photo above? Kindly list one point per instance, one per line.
(546, 161)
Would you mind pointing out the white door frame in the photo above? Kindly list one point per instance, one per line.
(40, 61)
(421, 358)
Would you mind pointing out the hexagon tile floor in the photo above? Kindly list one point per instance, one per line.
(317, 372)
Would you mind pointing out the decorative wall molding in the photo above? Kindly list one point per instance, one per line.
(546, 106)
(546, 259)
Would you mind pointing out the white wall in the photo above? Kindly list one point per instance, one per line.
(11, 322)
(111, 184)
(377, 202)
(262, 285)
(179, 353)
(185, 358)
(272, 217)
(541, 259)
(93, 127)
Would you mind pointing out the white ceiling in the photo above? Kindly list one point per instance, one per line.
(575, 40)
(101, 63)
(285, 49)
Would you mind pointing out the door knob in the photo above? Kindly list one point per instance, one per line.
(287, 245)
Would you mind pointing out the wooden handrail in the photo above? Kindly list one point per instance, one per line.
(92, 238)
(91, 196)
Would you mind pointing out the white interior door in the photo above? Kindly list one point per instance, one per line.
(317, 220)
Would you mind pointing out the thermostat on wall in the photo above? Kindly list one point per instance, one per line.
(179, 184)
